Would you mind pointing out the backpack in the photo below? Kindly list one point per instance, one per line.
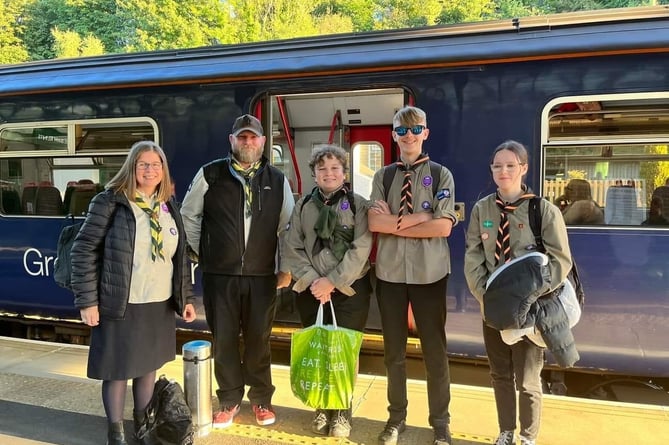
(389, 175)
(169, 414)
(62, 266)
(534, 214)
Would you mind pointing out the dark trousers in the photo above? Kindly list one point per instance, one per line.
(351, 312)
(234, 303)
(428, 302)
(515, 366)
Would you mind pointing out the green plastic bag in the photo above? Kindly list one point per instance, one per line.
(323, 363)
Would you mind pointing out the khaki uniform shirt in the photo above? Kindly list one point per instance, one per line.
(415, 260)
(306, 265)
(482, 238)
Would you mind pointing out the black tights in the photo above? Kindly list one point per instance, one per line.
(113, 395)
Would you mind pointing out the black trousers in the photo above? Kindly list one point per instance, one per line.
(515, 369)
(428, 302)
(351, 312)
(245, 304)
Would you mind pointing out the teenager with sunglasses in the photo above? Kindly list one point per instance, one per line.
(412, 269)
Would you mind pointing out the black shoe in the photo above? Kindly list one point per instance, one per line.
(442, 435)
(340, 423)
(321, 423)
(115, 434)
(392, 432)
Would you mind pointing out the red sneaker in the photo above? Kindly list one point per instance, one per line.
(264, 414)
(224, 418)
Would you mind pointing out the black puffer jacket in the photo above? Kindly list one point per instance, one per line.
(551, 320)
(102, 256)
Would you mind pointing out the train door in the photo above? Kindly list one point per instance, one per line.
(360, 121)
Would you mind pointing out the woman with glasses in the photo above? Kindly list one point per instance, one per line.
(499, 231)
(129, 276)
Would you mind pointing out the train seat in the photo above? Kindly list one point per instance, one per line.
(622, 207)
(661, 194)
(10, 202)
(42, 200)
(80, 199)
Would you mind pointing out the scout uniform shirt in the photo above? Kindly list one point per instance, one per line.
(482, 237)
(415, 260)
(306, 265)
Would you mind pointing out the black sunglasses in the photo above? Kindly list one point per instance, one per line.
(416, 129)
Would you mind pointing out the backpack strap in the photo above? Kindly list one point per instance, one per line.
(435, 172)
(389, 175)
(534, 214)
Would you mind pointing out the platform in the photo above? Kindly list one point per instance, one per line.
(45, 399)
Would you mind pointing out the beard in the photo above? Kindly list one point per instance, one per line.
(248, 155)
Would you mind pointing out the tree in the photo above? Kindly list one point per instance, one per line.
(262, 20)
(394, 14)
(362, 13)
(71, 44)
(458, 11)
(12, 49)
(167, 24)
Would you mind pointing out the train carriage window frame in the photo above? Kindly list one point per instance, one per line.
(617, 144)
(49, 169)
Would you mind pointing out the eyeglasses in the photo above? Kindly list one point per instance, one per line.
(153, 165)
(416, 129)
(510, 167)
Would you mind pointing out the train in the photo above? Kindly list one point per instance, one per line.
(587, 93)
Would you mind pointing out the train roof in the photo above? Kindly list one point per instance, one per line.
(582, 34)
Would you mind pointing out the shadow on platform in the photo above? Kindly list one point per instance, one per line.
(51, 425)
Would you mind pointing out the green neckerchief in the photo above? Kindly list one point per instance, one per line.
(247, 174)
(327, 229)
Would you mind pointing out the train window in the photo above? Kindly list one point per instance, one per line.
(367, 159)
(53, 169)
(30, 139)
(606, 159)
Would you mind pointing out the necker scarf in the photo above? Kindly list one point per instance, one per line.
(247, 174)
(503, 245)
(154, 224)
(337, 236)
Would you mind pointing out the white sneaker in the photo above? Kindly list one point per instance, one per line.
(505, 438)
(526, 441)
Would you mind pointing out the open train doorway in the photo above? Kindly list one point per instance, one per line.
(360, 121)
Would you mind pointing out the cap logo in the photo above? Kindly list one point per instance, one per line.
(247, 123)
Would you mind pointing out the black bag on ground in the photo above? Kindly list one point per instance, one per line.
(62, 267)
(169, 414)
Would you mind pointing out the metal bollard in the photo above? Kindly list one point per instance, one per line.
(197, 384)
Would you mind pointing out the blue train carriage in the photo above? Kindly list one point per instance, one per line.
(587, 92)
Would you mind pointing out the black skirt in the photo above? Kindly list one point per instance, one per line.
(140, 343)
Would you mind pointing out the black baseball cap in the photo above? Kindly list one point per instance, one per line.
(247, 123)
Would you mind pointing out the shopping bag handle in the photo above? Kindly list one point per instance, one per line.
(319, 315)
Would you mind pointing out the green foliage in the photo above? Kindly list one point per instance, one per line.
(394, 14)
(458, 11)
(12, 49)
(71, 44)
(655, 173)
(44, 29)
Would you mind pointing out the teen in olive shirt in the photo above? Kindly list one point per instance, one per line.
(412, 267)
(327, 251)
